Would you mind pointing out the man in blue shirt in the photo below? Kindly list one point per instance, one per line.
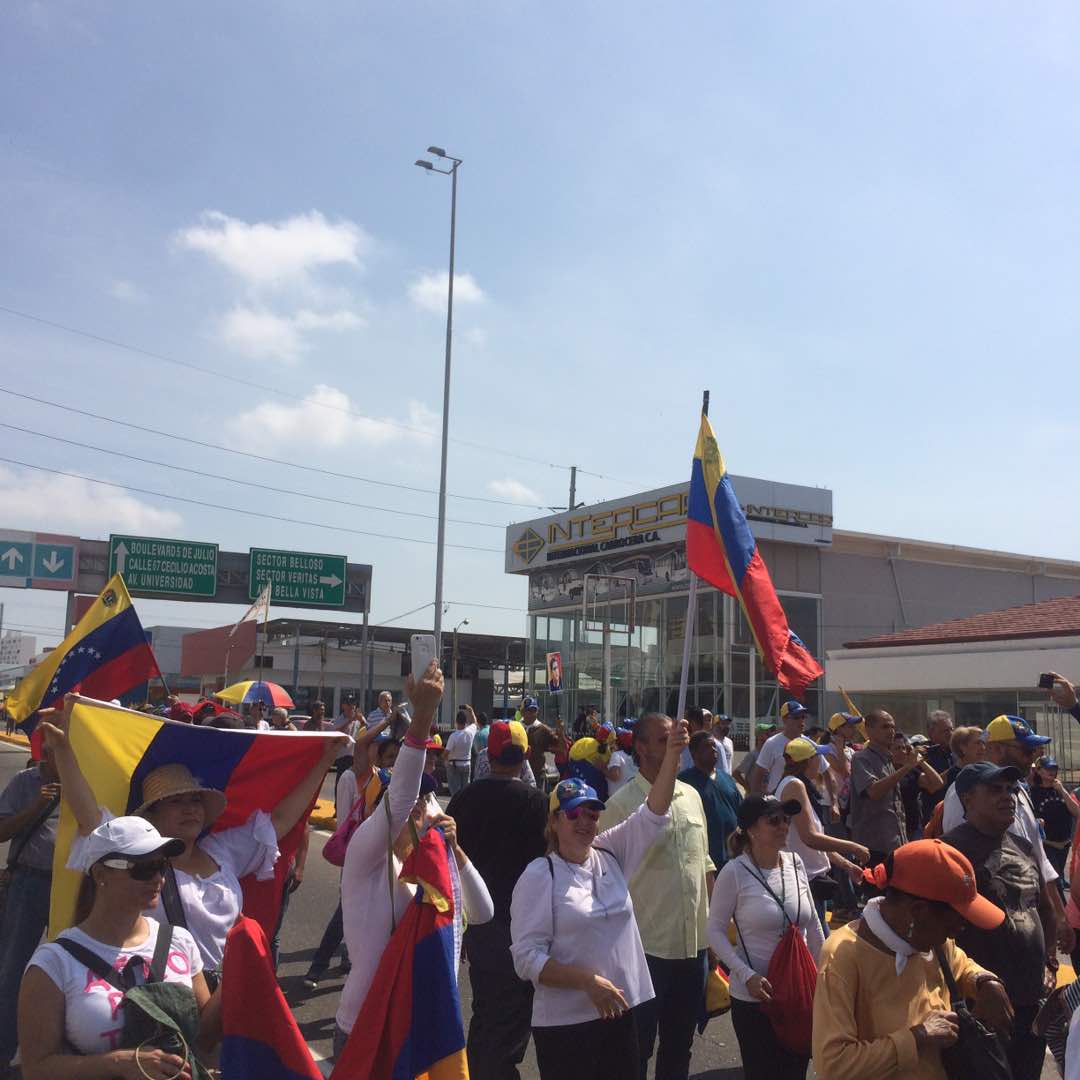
(719, 795)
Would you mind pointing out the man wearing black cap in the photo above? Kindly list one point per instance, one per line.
(1021, 952)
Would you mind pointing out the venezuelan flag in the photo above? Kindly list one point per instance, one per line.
(103, 657)
(721, 549)
(410, 1024)
(261, 1038)
(116, 748)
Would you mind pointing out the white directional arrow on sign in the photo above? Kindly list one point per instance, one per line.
(333, 581)
(11, 557)
(53, 562)
(121, 557)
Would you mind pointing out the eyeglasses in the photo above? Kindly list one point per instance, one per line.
(142, 870)
(776, 819)
(575, 812)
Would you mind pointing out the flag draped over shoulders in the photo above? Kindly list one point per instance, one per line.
(116, 748)
(410, 1024)
(261, 1039)
(106, 655)
(721, 549)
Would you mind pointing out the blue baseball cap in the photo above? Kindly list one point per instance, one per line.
(529, 703)
(791, 708)
(983, 772)
(1047, 761)
(573, 792)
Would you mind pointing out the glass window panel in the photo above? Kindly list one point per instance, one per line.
(706, 636)
(674, 633)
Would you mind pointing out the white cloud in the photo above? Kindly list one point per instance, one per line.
(476, 336)
(34, 500)
(325, 418)
(126, 291)
(268, 253)
(428, 291)
(260, 332)
(514, 490)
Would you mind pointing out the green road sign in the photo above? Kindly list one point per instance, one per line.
(153, 565)
(298, 577)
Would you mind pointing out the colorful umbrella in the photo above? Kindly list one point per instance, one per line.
(243, 693)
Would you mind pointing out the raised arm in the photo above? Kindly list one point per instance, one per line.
(663, 787)
(288, 812)
(77, 792)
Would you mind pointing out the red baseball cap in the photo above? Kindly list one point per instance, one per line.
(932, 870)
(507, 742)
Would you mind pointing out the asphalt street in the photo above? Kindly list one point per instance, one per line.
(715, 1055)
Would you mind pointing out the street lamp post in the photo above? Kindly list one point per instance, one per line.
(453, 669)
(440, 548)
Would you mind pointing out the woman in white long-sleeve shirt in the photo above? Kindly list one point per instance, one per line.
(764, 890)
(573, 932)
(373, 900)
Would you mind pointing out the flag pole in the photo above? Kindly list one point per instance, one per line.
(691, 616)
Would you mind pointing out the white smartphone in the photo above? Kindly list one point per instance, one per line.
(422, 647)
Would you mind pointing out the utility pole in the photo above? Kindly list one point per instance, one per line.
(573, 488)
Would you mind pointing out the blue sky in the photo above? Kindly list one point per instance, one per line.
(855, 223)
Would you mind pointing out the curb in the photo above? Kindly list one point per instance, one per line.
(322, 817)
(16, 740)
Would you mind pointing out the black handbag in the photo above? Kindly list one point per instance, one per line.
(978, 1051)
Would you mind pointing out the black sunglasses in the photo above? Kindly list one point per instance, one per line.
(140, 870)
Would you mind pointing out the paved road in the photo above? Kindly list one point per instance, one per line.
(715, 1057)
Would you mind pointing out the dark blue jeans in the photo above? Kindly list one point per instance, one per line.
(25, 918)
(332, 937)
(679, 986)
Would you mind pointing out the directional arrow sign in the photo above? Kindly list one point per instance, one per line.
(169, 567)
(300, 578)
(15, 556)
(54, 562)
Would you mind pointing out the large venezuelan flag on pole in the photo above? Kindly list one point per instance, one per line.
(410, 1024)
(261, 1039)
(721, 549)
(106, 655)
(117, 747)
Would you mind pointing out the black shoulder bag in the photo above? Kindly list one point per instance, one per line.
(157, 1015)
(978, 1051)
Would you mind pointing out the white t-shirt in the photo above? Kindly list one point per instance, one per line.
(582, 914)
(346, 793)
(816, 862)
(622, 760)
(212, 904)
(771, 759)
(93, 1009)
(459, 745)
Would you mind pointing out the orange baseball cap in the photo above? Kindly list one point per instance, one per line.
(932, 870)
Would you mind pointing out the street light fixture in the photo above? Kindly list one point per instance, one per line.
(453, 668)
(440, 548)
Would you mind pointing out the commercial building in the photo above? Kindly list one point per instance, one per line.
(608, 591)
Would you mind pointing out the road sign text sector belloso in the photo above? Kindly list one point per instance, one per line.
(155, 565)
(298, 577)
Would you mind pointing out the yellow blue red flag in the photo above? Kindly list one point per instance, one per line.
(721, 549)
(106, 655)
(116, 748)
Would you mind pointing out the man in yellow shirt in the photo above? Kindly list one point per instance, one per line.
(670, 890)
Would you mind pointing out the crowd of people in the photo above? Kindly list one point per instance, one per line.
(878, 902)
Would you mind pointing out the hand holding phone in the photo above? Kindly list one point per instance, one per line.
(422, 648)
(1046, 681)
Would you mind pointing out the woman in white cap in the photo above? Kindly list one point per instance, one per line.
(819, 852)
(207, 897)
(71, 1018)
(573, 933)
(763, 889)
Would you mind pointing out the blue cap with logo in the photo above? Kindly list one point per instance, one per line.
(983, 772)
(529, 703)
(791, 708)
(574, 792)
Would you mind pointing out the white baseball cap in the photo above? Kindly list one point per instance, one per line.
(130, 837)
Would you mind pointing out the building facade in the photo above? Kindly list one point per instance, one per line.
(608, 591)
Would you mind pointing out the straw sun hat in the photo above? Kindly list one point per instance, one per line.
(176, 779)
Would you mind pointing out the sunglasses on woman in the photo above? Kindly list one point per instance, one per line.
(138, 870)
(575, 812)
(776, 819)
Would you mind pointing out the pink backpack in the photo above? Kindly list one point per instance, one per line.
(334, 848)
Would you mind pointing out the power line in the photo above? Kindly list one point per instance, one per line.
(245, 483)
(258, 457)
(251, 384)
(237, 510)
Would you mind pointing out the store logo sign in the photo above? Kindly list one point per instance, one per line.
(528, 545)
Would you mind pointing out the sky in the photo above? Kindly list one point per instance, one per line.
(855, 224)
